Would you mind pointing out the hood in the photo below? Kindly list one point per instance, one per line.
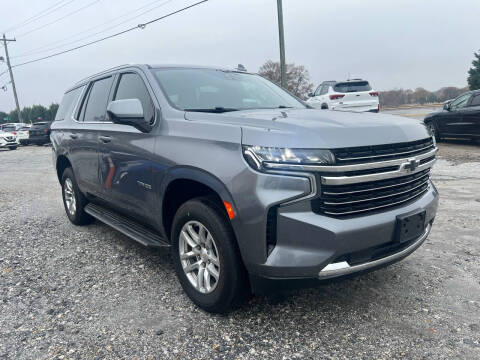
(311, 128)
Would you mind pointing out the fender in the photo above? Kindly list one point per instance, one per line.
(198, 175)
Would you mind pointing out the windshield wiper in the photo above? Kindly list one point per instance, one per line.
(284, 107)
(217, 109)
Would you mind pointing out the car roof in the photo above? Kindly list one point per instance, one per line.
(149, 66)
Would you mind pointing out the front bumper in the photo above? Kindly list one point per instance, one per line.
(311, 248)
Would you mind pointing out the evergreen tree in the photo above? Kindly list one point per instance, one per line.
(474, 73)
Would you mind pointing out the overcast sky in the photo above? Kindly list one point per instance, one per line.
(394, 44)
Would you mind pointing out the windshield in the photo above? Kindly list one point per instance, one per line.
(9, 128)
(220, 91)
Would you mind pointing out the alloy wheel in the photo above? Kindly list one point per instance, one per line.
(199, 257)
(69, 196)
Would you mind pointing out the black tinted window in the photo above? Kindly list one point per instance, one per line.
(131, 86)
(68, 103)
(96, 106)
(352, 86)
(475, 101)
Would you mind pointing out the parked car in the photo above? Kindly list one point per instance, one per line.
(8, 140)
(459, 118)
(39, 133)
(20, 130)
(350, 95)
(23, 135)
(250, 188)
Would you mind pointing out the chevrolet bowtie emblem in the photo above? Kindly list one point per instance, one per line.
(412, 164)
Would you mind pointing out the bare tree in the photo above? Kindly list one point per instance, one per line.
(298, 78)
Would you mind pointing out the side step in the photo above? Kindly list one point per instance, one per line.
(126, 226)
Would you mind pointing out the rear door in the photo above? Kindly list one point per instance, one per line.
(126, 162)
(84, 147)
(471, 116)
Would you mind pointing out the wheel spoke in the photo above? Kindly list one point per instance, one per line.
(201, 278)
(188, 239)
(213, 259)
(193, 234)
(202, 233)
(191, 267)
(212, 271)
(206, 280)
(187, 255)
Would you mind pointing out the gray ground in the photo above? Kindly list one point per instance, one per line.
(90, 292)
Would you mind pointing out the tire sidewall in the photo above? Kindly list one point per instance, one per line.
(223, 237)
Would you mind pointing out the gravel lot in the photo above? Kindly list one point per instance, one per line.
(90, 292)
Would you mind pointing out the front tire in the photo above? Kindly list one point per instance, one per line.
(206, 258)
(432, 130)
(73, 199)
(12, 148)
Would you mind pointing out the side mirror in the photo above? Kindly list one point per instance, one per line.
(128, 112)
(446, 106)
(310, 94)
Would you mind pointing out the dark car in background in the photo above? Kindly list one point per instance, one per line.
(459, 118)
(39, 133)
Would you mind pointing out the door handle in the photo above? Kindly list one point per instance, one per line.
(73, 136)
(105, 139)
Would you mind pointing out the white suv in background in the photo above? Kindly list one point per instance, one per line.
(350, 95)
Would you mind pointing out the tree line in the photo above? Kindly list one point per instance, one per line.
(30, 114)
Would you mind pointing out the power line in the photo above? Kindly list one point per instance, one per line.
(60, 18)
(139, 26)
(39, 51)
(58, 5)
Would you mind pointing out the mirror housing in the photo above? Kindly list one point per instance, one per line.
(310, 94)
(128, 112)
(446, 106)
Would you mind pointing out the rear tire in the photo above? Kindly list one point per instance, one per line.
(73, 199)
(12, 148)
(324, 106)
(197, 251)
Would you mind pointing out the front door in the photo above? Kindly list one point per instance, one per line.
(126, 163)
(451, 122)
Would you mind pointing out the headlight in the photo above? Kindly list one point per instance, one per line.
(283, 158)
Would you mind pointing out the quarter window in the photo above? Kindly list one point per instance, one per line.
(68, 103)
(131, 86)
(96, 107)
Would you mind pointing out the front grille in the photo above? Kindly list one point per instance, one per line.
(383, 179)
(341, 200)
(363, 154)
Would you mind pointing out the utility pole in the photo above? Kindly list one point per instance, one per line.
(283, 71)
(5, 41)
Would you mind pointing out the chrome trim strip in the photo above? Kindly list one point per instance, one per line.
(342, 180)
(385, 155)
(344, 168)
(375, 198)
(375, 207)
(343, 268)
(375, 188)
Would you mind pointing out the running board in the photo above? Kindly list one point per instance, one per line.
(126, 226)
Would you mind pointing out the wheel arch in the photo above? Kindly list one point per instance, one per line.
(61, 164)
(185, 183)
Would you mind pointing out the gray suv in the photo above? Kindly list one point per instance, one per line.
(251, 188)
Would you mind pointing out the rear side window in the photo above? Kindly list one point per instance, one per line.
(352, 86)
(68, 103)
(96, 102)
(475, 101)
(131, 86)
